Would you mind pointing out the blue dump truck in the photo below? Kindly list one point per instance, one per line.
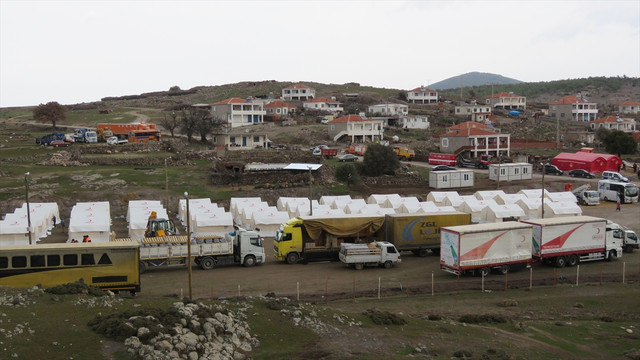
(47, 139)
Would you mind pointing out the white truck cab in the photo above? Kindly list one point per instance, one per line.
(371, 254)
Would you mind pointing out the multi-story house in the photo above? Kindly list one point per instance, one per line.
(573, 108)
(277, 109)
(324, 104)
(298, 92)
(473, 111)
(237, 112)
(422, 95)
(629, 107)
(476, 139)
(614, 123)
(357, 128)
(389, 109)
(235, 140)
(507, 101)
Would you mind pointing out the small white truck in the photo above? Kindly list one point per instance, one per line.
(629, 237)
(586, 196)
(372, 254)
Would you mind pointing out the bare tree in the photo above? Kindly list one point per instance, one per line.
(188, 123)
(170, 122)
(51, 111)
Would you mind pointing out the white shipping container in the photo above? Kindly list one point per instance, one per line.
(568, 235)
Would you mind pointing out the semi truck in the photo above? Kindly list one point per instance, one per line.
(478, 248)
(240, 247)
(122, 131)
(569, 240)
(629, 237)
(420, 233)
(372, 254)
(318, 238)
(310, 238)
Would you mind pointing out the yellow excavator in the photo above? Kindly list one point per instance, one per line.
(159, 227)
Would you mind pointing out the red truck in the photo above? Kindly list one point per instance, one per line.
(325, 152)
(443, 159)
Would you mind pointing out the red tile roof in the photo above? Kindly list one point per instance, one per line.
(422, 89)
(231, 101)
(279, 104)
(629, 103)
(568, 100)
(298, 86)
(321, 99)
(470, 132)
(349, 118)
(503, 94)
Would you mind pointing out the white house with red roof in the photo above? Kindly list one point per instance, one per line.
(422, 95)
(277, 109)
(614, 123)
(507, 101)
(474, 112)
(324, 104)
(356, 128)
(573, 108)
(629, 107)
(298, 92)
(476, 139)
(238, 112)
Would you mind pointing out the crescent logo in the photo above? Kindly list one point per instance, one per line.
(598, 231)
(523, 238)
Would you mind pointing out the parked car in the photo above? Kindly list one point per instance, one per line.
(442, 168)
(57, 143)
(612, 175)
(552, 169)
(581, 173)
(347, 157)
(114, 140)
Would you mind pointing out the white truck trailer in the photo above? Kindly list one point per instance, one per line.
(242, 247)
(478, 248)
(569, 240)
(372, 254)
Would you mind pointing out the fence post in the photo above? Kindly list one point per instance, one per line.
(577, 274)
(601, 272)
(624, 266)
(482, 274)
(530, 278)
(432, 283)
(506, 280)
(298, 290)
(555, 276)
(238, 290)
(378, 287)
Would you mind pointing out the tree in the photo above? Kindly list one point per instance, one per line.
(618, 142)
(188, 123)
(51, 111)
(170, 122)
(347, 173)
(380, 160)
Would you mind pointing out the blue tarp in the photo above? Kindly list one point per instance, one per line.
(514, 112)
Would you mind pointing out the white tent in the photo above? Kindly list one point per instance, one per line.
(284, 203)
(359, 208)
(499, 213)
(138, 213)
(329, 199)
(195, 205)
(342, 203)
(488, 194)
(268, 222)
(562, 208)
(562, 196)
(14, 227)
(453, 200)
(304, 210)
(474, 207)
(502, 199)
(381, 198)
(293, 206)
(441, 209)
(531, 207)
(424, 206)
(438, 196)
(329, 212)
(235, 203)
(93, 219)
(142, 204)
(395, 203)
(247, 212)
(533, 193)
(216, 223)
(379, 211)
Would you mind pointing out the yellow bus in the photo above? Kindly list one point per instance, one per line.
(108, 265)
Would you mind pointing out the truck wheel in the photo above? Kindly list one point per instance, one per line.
(503, 270)
(142, 267)
(423, 252)
(249, 261)
(388, 265)
(292, 258)
(612, 255)
(560, 261)
(484, 271)
(207, 263)
(435, 251)
(358, 266)
(573, 260)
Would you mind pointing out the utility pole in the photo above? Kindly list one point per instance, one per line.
(542, 203)
(310, 193)
(186, 195)
(26, 184)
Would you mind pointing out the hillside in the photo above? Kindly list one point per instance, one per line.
(473, 79)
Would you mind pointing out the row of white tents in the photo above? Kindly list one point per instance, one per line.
(205, 217)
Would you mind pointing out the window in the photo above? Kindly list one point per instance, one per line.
(37, 260)
(104, 260)
(277, 111)
(516, 171)
(87, 259)
(255, 241)
(391, 250)
(562, 115)
(525, 170)
(466, 177)
(70, 259)
(445, 142)
(256, 139)
(53, 260)
(19, 261)
(4, 262)
(287, 236)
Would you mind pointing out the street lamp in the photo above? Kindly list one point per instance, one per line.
(186, 195)
(26, 185)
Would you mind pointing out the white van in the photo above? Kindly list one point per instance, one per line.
(612, 175)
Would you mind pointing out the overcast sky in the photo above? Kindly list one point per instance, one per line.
(81, 51)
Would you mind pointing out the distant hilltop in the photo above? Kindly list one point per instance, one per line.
(472, 79)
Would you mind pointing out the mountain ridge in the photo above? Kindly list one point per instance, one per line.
(473, 79)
